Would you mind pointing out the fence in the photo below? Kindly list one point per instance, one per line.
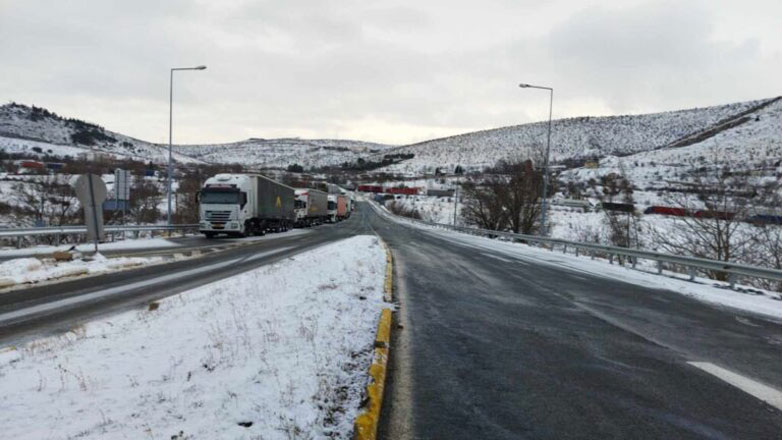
(58, 231)
(692, 264)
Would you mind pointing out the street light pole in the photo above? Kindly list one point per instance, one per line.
(544, 206)
(171, 132)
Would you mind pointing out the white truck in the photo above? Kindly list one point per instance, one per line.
(245, 204)
(332, 208)
(311, 207)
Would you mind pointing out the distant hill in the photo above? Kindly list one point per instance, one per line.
(753, 147)
(25, 129)
(574, 139)
(280, 153)
(38, 131)
(659, 139)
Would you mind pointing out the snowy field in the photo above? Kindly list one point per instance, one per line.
(757, 301)
(280, 352)
(33, 270)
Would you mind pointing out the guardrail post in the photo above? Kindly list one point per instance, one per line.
(732, 281)
(611, 258)
(659, 267)
(592, 254)
(564, 249)
(19, 242)
(634, 260)
(692, 273)
(577, 249)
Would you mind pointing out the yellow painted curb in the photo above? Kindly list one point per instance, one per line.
(388, 290)
(365, 426)
(366, 423)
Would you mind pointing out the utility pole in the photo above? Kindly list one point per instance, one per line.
(455, 202)
(171, 131)
(543, 230)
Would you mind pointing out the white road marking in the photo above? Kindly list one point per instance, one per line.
(763, 392)
(267, 253)
(496, 257)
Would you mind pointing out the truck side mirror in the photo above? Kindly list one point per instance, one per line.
(244, 199)
(198, 196)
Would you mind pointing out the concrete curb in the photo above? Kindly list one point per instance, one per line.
(365, 426)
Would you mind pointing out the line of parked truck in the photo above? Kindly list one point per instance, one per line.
(251, 204)
(760, 216)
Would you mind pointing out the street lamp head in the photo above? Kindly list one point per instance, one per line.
(200, 68)
(524, 86)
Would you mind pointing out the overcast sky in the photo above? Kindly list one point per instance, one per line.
(393, 72)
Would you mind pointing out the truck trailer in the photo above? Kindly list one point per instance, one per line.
(342, 207)
(245, 204)
(311, 207)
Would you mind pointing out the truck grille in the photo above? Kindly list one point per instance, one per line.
(218, 216)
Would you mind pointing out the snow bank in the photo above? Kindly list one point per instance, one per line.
(141, 243)
(278, 352)
(31, 270)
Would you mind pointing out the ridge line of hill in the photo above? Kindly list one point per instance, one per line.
(720, 126)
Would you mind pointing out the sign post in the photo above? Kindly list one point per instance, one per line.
(121, 189)
(91, 192)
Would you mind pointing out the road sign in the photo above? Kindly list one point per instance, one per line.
(115, 205)
(91, 192)
(121, 184)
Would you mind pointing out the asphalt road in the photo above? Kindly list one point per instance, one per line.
(54, 308)
(493, 346)
(496, 347)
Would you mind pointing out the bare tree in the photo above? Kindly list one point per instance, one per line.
(521, 197)
(483, 203)
(186, 200)
(766, 242)
(402, 210)
(623, 226)
(49, 200)
(717, 205)
(146, 198)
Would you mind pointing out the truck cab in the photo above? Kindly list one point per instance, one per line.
(223, 206)
(332, 208)
(300, 206)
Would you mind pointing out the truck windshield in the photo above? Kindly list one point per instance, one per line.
(298, 204)
(220, 197)
(332, 206)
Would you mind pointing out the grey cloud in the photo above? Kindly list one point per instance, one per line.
(315, 68)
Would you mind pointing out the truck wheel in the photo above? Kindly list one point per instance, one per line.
(209, 235)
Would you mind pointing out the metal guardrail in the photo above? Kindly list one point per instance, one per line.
(58, 231)
(693, 264)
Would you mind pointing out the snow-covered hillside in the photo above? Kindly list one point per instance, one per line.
(754, 146)
(271, 153)
(572, 139)
(22, 128)
(38, 132)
